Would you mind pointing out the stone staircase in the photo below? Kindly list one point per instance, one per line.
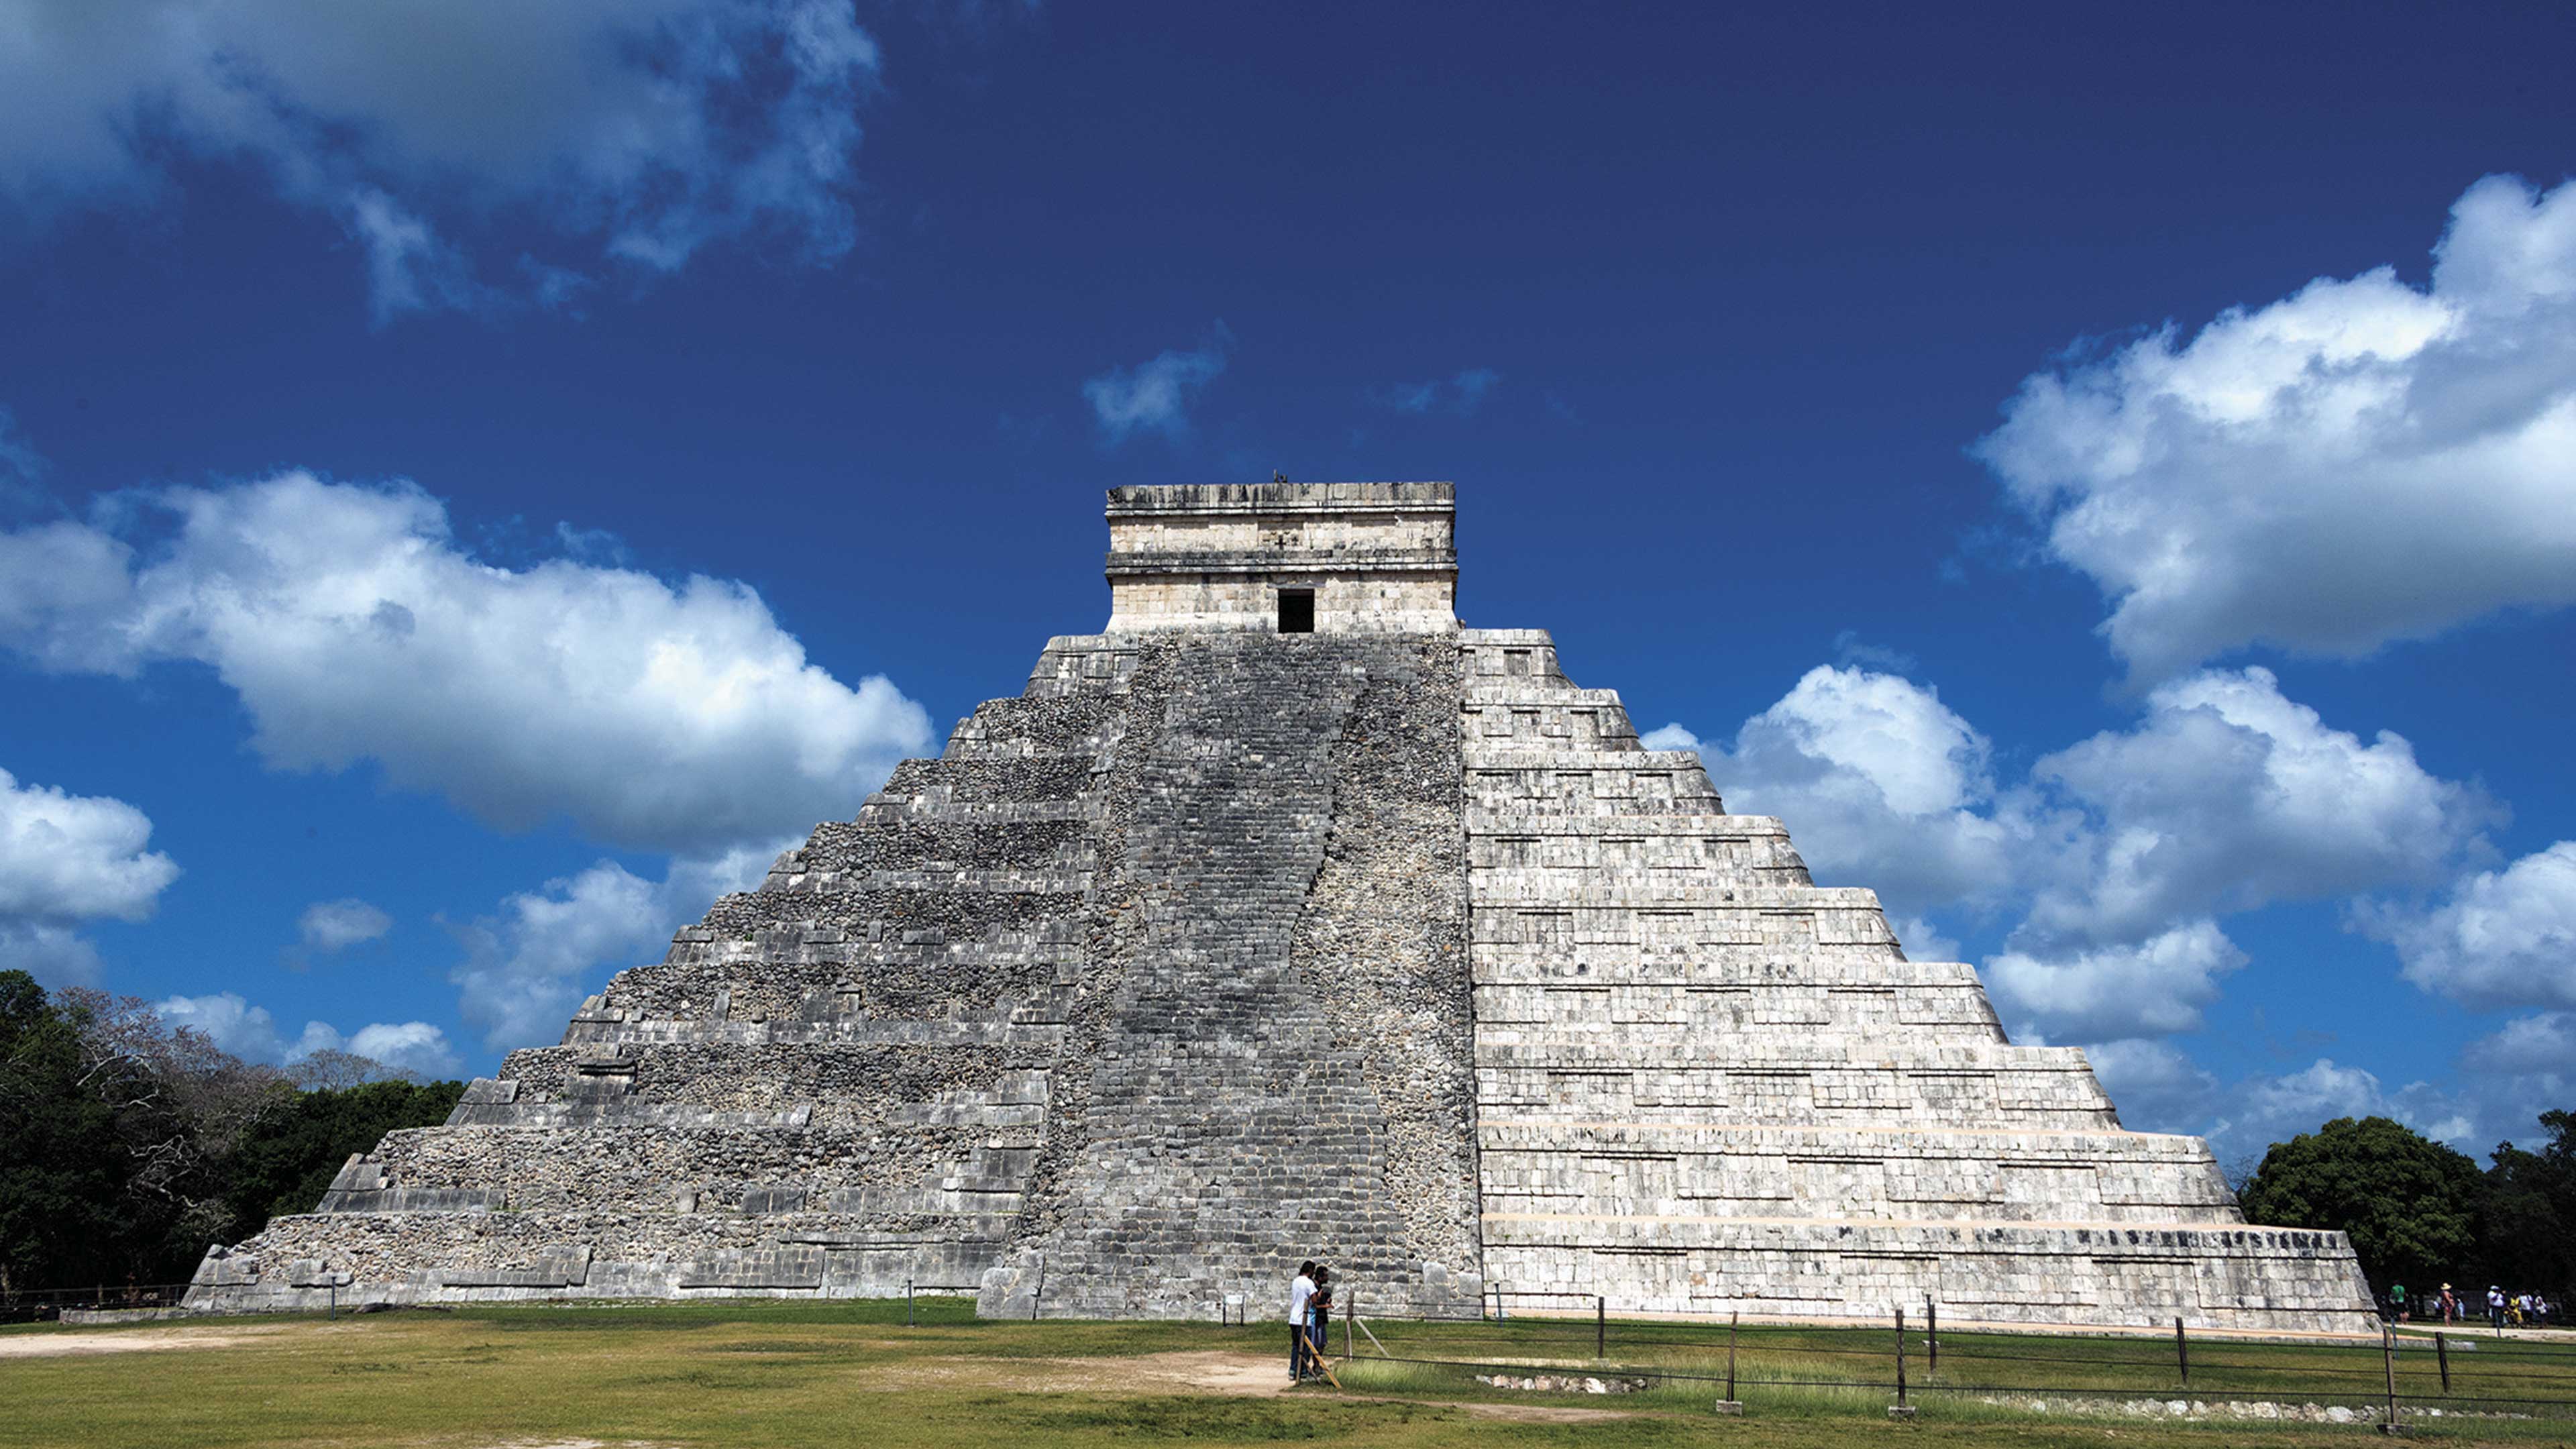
(1231, 1128)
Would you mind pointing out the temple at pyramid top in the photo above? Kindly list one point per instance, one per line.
(1291, 558)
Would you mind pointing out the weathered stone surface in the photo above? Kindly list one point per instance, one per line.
(1705, 1083)
(1219, 947)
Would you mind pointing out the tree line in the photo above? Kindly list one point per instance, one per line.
(2423, 1214)
(128, 1145)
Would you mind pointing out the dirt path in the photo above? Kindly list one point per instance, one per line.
(1263, 1377)
(148, 1340)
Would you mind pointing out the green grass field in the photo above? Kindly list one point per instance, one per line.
(760, 1373)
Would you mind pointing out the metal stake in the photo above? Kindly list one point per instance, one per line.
(1901, 1410)
(2388, 1356)
(2182, 1353)
(1731, 1321)
(2442, 1355)
(1600, 1327)
(1931, 1336)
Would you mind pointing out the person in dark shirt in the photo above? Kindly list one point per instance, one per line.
(1319, 1309)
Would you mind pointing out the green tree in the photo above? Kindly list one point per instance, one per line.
(65, 1209)
(297, 1143)
(2408, 1203)
(126, 1146)
(2527, 1218)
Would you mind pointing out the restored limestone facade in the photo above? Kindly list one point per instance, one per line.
(1284, 918)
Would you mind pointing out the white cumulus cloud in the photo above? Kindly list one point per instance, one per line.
(625, 131)
(651, 714)
(2161, 1090)
(66, 859)
(338, 925)
(2500, 938)
(2121, 851)
(54, 955)
(527, 967)
(2228, 795)
(251, 1033)
(1881, 783)
(1155, 396)
(2101, 993)
(76, 857)
(2362, 461)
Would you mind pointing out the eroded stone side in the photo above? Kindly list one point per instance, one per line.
(1384, 938)
(837, 1084)
(1229, 1124)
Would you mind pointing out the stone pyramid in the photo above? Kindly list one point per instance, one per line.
(1288, 918)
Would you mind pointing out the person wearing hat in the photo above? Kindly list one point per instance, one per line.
(2450, 1305)
(2495, 1307)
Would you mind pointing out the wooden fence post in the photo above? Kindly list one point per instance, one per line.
(1900, 1409)
(2442, 1355)
(1931, 1335)
(1600, 1327)
(2388, 1356)
(1730, 1404)
(1732, 1319)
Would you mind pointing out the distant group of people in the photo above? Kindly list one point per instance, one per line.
(2501, 1308)
(1310, 1309)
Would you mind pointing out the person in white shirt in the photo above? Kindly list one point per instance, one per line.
(1299, 1293)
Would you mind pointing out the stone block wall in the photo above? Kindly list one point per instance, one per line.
(1378, 557)
(1706, 1084)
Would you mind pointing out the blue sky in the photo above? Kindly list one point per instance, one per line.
(478, 478)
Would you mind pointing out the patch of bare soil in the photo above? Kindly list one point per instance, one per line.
(1247, 1375)
(153, 1340)
(573, 1445)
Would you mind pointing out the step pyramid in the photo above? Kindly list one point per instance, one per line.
(1287, 918)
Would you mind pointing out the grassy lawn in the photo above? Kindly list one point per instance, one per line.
(764, 1373)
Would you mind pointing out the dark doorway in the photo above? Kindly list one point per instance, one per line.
(1296, 611)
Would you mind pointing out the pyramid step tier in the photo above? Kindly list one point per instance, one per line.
(1584, 782)
(2260, 1279)
(1704, 1169)
(306, 1263)
(885, 1171)
(1567, 1024)
(1523, 719)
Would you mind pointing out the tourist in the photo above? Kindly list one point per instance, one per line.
(2397, 1300)
(2495, 1306)
(1320, 1310)
(2450, 1305)
(1300, 1294)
